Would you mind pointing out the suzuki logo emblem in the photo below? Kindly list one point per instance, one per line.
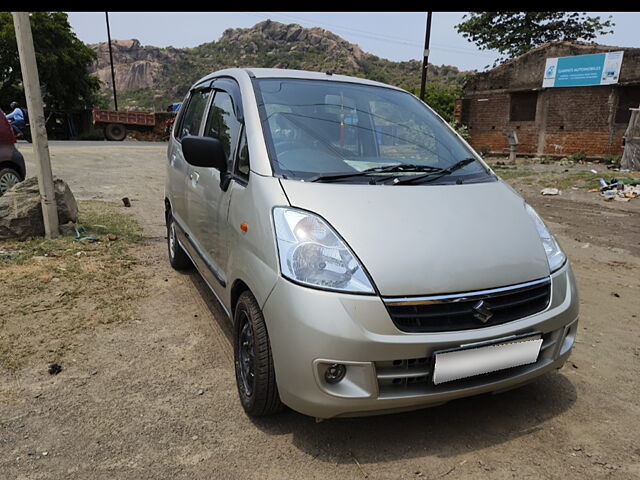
(482, 311)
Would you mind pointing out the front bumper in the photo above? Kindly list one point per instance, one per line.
(387, 369)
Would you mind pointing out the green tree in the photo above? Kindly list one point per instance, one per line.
(515, 33)
(63, 62)
(441, 97)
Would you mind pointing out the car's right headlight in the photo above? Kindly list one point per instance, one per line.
(313, 254)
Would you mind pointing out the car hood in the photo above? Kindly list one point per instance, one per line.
(427, 239)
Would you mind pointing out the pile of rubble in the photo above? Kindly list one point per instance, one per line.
(617, 190)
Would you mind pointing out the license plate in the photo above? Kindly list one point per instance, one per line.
(467, 362)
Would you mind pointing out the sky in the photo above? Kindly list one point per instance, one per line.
(393, 35)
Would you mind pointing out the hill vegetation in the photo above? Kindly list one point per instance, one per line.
(150, 77)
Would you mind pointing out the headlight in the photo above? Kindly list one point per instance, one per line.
(311, 253)
(555, 255)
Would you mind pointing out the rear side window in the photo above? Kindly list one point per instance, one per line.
(192, 118)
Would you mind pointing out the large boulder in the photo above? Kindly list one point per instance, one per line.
(21, 210)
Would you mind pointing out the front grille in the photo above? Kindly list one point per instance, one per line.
(465, 312)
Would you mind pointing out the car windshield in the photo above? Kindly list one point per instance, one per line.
(356, 133)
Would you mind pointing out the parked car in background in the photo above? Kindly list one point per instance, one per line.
(370, 261)
(12, 167)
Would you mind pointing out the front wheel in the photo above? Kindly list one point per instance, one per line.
(177, 256)
(8, 178)
(255, 373)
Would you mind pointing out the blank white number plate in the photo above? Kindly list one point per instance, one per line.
(475, 361)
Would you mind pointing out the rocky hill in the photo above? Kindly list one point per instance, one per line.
(152, 77)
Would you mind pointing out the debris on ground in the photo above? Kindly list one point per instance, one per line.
(617, 190)
(54, 368)
(80, 230)
(111, 237)
(550, 191)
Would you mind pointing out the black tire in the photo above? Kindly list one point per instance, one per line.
(255, 374)
(115, 131)
(8, 178)
(177, 256)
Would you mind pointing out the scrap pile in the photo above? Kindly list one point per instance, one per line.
(617, 190)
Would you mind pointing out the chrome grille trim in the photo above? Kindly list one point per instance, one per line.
(461, 297)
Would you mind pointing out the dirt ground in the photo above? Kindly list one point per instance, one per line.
(154, 396)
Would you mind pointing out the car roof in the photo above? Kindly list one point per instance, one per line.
(292, 73)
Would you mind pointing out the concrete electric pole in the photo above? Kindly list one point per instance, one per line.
(425, 59)
(31, 84)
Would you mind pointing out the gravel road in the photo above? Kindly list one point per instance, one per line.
(156, 398)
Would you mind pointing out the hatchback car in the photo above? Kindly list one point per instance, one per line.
(367, 257)
(12, 167)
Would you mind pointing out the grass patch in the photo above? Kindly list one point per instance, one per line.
(509, 174)
(54, 288)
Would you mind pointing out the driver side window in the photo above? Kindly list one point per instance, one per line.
(223, 124)
(192, 119)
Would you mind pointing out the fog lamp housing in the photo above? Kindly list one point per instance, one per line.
(335, 373)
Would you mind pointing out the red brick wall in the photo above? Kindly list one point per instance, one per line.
(577, 120)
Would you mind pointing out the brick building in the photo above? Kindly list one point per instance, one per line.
(550, 121)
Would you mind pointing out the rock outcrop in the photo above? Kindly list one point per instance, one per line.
(21, 210)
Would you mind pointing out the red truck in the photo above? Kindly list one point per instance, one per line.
(115, 123)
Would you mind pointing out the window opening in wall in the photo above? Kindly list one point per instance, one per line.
(628, 97)
(523, 107)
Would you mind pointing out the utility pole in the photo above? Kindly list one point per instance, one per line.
(31, 84)
(113, 73)
(425, 59)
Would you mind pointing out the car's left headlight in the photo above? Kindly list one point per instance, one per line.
(313, 254)
(555, 255)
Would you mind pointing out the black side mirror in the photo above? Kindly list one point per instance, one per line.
(204, 152)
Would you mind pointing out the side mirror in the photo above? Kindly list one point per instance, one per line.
(204, 152)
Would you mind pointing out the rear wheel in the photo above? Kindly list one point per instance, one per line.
(115, 131)
(255, 374)
(177, 256)
(8, 178)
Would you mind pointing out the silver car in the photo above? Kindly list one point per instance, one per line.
(367, 257)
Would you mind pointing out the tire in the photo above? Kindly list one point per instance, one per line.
(177, 256)
(115, 131)
(8, 178)
(255, 374)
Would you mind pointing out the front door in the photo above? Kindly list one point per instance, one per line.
(208, 202)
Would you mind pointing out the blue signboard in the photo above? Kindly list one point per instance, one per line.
(583, 70)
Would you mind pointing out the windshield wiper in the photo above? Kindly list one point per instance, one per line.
(402, 167)
(430, 177)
